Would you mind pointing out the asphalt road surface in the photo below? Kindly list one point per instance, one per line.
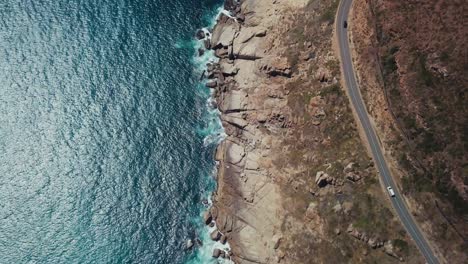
(358, 105)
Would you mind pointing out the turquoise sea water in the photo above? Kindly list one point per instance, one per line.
(106, 140)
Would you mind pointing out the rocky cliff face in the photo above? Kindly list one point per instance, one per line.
(412, 62)
(295, 184)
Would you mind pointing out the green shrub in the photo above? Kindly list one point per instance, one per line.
(401, 245)
(389, 64)
(424, 74)
(329, 14)
(429, 143)
(332, 89)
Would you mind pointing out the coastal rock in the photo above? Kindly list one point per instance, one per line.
(248, 50)
(189, 244)
(200, 34)
(201, 52)
(278, 67)
(222, 52)
(252, 161)
(207, 217)
(207, 44)
(240, 17)
(235, 121)
(216, 253)
(211, 84)
(229, 69)
(261, 32)
(223, 35)
(230, 5)
(234, 102)
(215, 235)
(235, 153)
(198, 242)
(246, 34)
(214, 212)
(223, 239)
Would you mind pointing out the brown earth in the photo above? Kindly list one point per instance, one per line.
(412, 60)
(295, 183)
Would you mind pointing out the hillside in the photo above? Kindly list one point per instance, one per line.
(412, 62)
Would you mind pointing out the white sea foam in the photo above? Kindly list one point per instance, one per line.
(214, 134)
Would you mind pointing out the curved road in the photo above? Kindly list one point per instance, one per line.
(358, 105)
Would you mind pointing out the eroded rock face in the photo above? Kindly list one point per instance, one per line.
(252, 92)
(223, 34)
(200, 34)
(235, 153)
(278, 67)
(229, 69)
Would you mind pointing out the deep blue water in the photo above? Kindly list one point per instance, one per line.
(102, 130)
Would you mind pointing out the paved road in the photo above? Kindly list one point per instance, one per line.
(358, 105)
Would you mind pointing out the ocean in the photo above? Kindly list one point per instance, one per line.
(107, 135)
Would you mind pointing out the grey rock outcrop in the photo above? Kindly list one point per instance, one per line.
(372, 242)
(322, 179)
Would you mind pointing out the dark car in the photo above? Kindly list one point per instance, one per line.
(345, 24)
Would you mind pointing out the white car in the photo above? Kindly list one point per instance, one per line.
(390, 191)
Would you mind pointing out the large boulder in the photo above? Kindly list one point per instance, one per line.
(189, 244)
(230, 5)
(200, 34)
(223, 239)
(207, 218)
(235, 121)
(322, 179)
(215, 235)
(211, 84)
(216, 253)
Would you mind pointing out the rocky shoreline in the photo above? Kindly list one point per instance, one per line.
(239, 176)
(294, 181)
